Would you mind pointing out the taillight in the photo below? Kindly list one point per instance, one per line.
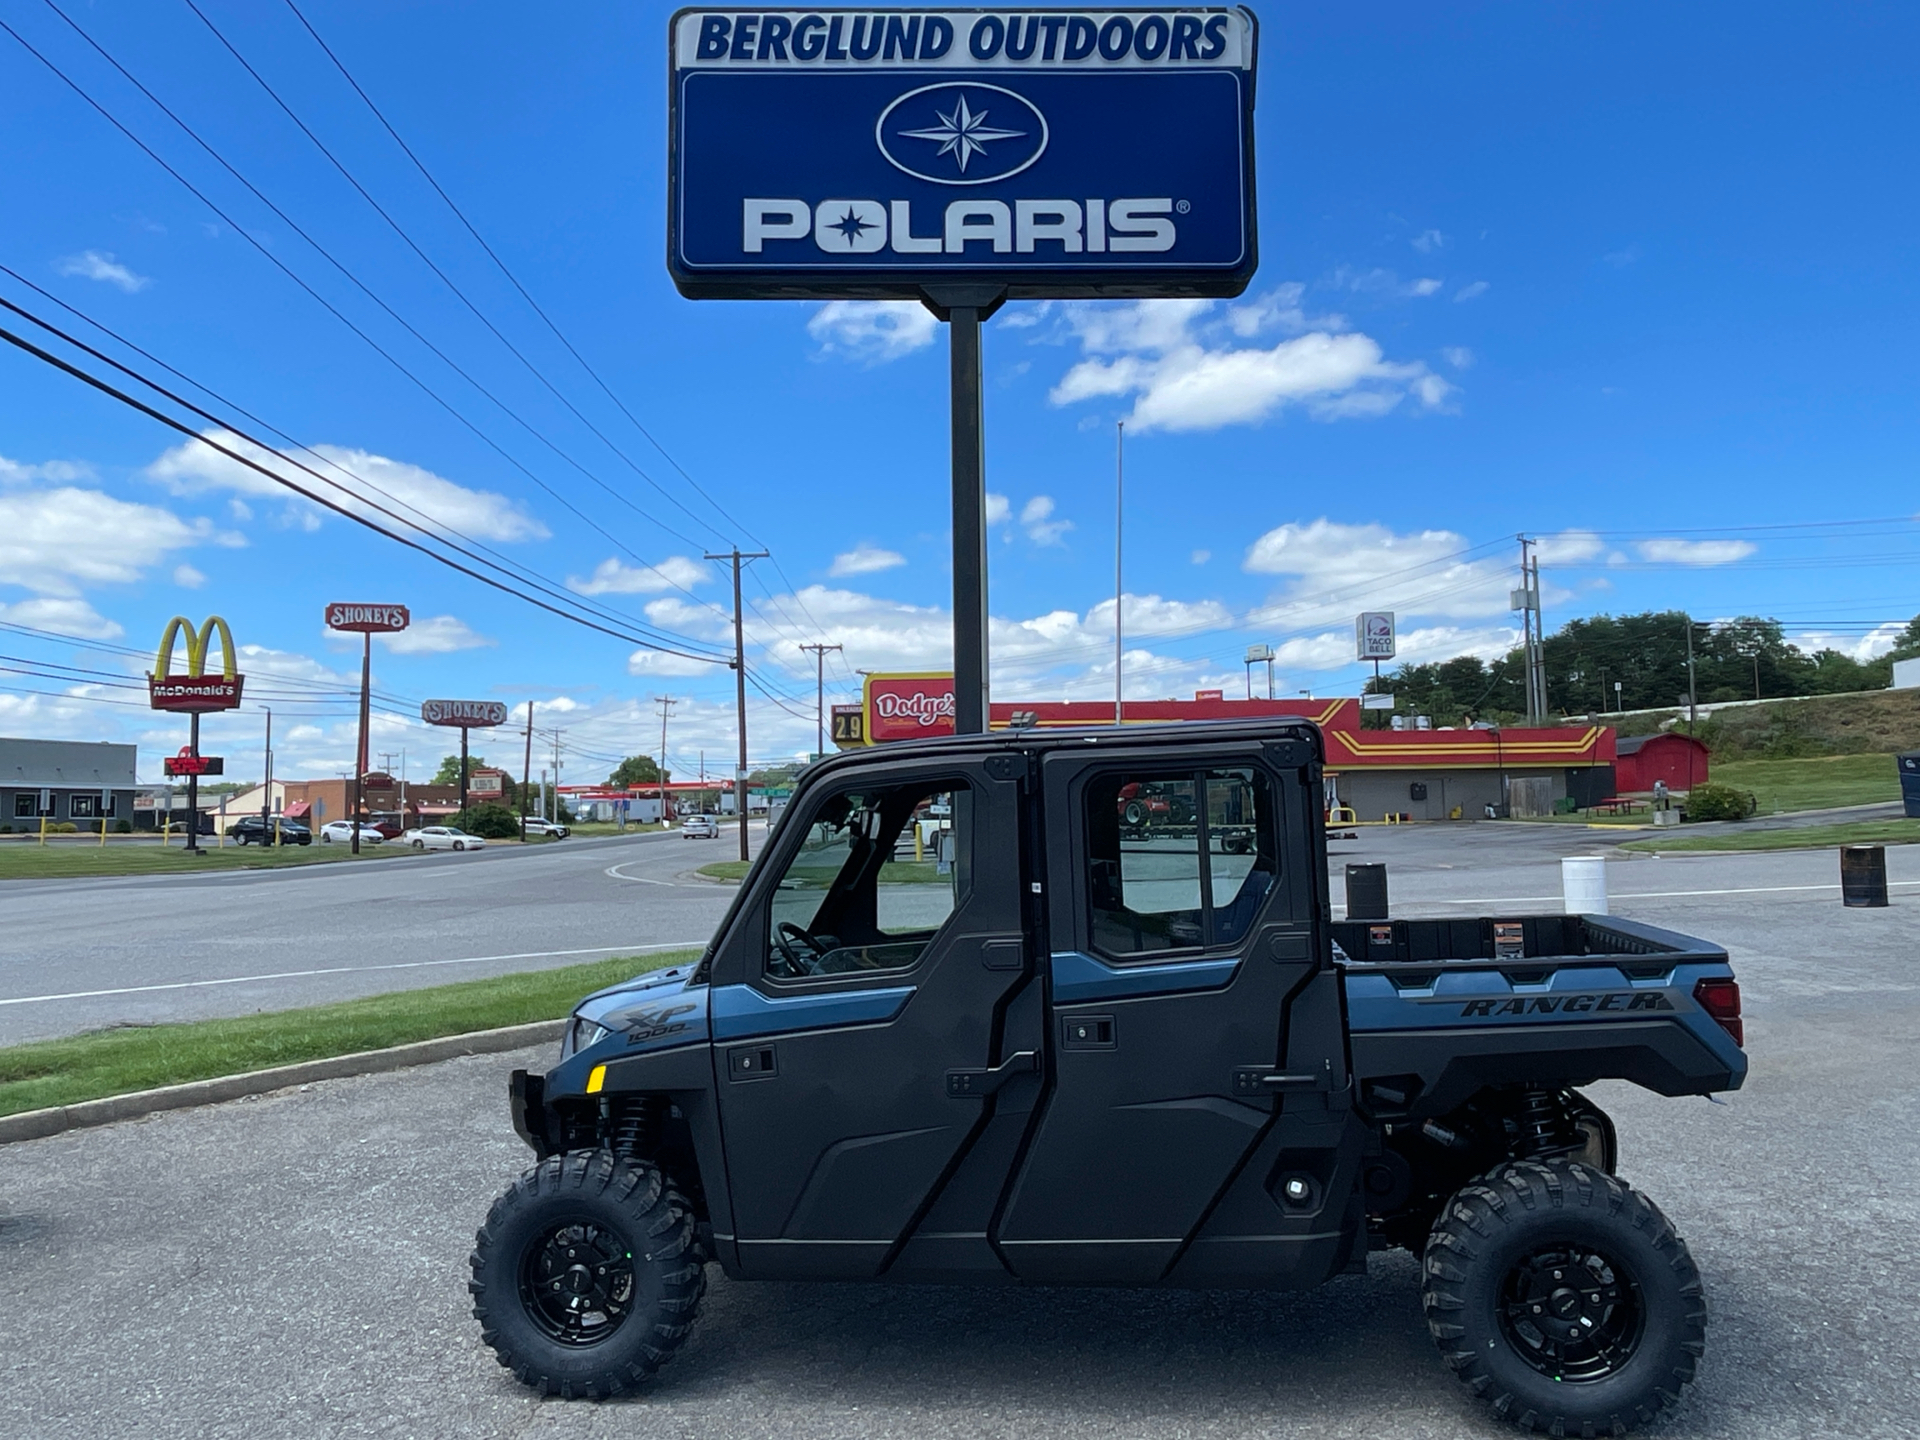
(1721, 1000)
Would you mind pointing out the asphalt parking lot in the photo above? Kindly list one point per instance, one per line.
(294, 1265)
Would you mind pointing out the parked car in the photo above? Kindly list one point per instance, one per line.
(537, 826)
(699, 827)
(253, 830)
(442, 837)
(342, 830)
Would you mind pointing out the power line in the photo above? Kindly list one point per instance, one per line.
(353, 279)
(501, 563)
(105, 388)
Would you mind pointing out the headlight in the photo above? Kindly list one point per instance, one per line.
(582, 1034)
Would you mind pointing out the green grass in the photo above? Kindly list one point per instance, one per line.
(114, 1062)
(894, 872)
(1805, 837)
(29, 860)
(1817, 783)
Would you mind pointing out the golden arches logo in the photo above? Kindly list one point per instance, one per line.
(197, 642)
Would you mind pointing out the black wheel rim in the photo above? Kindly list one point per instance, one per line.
(1572, 1312)
(577, 1283)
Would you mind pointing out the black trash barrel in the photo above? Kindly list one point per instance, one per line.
(1863, 875)
(1909, 764)
(1367, 892)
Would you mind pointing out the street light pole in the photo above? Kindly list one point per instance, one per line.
(819, 653)
(1119, 594)
(266, 797)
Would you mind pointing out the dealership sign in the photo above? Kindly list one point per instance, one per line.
(873, 153)
(368, 619)
(466, 714)
(908, 707)
(194, 691)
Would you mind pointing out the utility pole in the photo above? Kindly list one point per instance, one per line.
(526, 774)
(555, 816)
(666, 704)
(1527, 600)
(266, 798)
(819, 653)
(1119, 594)
(740, 662)
(1693, 707)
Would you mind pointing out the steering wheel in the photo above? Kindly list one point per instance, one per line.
(784, 934)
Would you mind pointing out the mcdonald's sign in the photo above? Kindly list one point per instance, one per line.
(195, 691)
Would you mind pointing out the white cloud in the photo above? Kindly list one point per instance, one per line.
(1871, 646)
(998, 509)
(1037, 517)
(63, 617)
(57, 541)
(874, 331)
(1458, 356)
(1201, 557)
(1181, 368)
(1694, 552)
(865, 560)
(1472, 292)
(615, 577)
(1427, 241)
(359, 480)
(187, 577)
(657, 662)
(60, 472)
(1425, 287)
(1620, 259)
(437, 635)
(100, 265)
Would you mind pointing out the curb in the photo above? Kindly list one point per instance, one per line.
(38, 1124)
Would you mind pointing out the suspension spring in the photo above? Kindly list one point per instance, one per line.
(636, 1129)
(1545, 1126)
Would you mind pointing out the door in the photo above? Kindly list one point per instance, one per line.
(856, 1008)
(1181, 921)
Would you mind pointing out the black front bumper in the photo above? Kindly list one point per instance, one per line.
(526, 1099)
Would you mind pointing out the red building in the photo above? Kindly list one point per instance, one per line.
(1639, 760)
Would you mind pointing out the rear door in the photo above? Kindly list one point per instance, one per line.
(1181, 921)
(871, 961)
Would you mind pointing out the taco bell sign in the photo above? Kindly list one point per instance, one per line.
(871, 153)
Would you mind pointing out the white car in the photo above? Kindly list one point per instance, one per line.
(342, 830)
(442, 837)
(536, 826)
(699, 827)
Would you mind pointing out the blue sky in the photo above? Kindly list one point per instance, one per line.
(1634, 280)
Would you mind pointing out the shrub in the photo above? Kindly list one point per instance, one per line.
(63, 827)
(123, 827)
(489, 822)
(1720, 802)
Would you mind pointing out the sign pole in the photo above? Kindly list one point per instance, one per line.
(360, 755)
(965, 308)
(464, 732)
(526, 773)
(193, 787)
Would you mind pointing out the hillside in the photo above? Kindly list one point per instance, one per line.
(1869, 722)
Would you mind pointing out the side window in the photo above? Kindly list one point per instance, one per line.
(877, 873)
(1178, 860)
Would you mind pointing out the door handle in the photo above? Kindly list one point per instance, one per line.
(972, 1084)
(1265, 1080)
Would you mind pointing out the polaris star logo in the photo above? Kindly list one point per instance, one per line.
(961, 134)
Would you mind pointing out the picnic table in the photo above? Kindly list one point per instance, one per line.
(1617, 806)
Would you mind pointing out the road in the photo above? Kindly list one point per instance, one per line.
(294, 1265)
(82, 954)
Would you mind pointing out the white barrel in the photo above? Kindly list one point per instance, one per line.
(1583, 881)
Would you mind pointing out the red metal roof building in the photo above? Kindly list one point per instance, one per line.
(1680, 760)
(1423, 774)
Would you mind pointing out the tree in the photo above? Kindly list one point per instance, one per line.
(449, 771)
(635, 770)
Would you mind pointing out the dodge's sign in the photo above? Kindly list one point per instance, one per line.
(368, 619)
(907, 707)
(871, 153)
(466, 714)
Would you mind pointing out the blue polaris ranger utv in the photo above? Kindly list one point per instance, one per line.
(1069, 1007)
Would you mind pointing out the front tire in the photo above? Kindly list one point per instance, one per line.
(1564, 1299)
(587, 1275)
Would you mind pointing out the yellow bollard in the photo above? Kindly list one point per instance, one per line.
(918, 851)
(43, 832)
(103, 834)
(166, 830)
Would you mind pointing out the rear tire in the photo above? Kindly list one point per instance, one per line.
(1564, 1299)
(587, 1275)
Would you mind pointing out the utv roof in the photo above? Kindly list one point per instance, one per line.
(1033, 739)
